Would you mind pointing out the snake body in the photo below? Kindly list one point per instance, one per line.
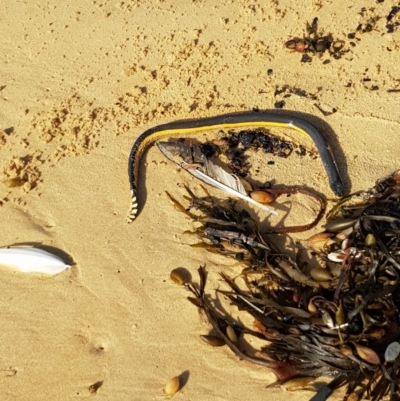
(229, 121)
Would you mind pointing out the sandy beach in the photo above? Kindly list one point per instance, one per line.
(79, 82)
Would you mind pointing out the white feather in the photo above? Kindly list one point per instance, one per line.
(27, 259)
(230, 180)
(229, 183)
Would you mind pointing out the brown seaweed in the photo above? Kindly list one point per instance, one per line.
(344, 325)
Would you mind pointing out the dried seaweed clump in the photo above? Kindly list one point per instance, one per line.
(336, 316)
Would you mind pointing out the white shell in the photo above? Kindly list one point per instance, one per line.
(336, 256)
(339, 255)
(27, 259)
(392, 351)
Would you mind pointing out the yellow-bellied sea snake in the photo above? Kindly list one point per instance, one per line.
(226, 121)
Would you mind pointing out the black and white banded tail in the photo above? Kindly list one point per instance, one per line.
(133, 210)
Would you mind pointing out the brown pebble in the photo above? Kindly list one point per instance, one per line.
(172, 387)
(177, 277)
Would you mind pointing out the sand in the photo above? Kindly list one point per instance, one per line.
(79, 82)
